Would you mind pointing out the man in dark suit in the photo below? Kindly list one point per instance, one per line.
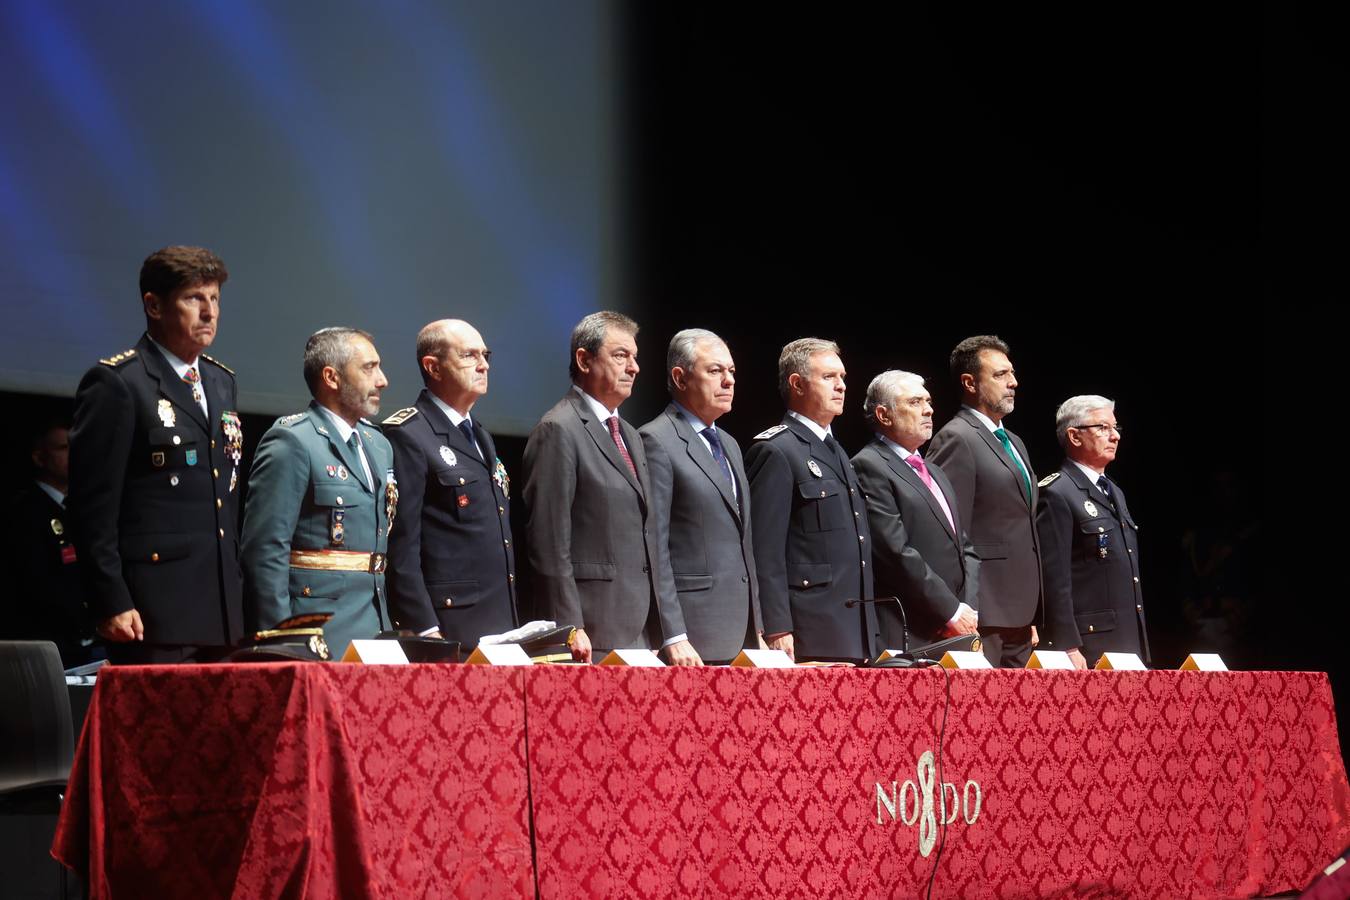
(920, 548)
(154, 472)
(1089, 542)
(321, 497)
(452, 570)
(48, 601)
(699, 492)
(812, 548)
(991, 473)
(592, 539)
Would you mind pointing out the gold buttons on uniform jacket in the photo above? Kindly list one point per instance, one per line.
(218, 503)
(447, 602)
(213, 443)
(1090, 628)
(215, 473)
(461, 481)
(220, 531)
(154, 557)
(177, 440)
(339, 501)
(304, 591)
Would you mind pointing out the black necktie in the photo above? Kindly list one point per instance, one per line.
(715, 444)
(467, 428)
(838, 452)
(355, 443)
(1105, 486)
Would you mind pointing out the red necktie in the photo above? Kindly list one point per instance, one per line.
(613, 423)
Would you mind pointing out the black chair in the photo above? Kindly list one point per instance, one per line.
(37, 737)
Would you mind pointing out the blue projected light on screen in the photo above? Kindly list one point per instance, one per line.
(369, 165)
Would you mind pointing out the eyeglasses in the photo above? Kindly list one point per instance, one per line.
(1109, 428)
(474, 357)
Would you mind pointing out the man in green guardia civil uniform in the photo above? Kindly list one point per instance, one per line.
(322, 495)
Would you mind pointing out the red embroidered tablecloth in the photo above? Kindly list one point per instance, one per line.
(352, 781)
(285, 780)
(686, 783)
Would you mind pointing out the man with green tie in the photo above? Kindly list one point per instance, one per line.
(995, 487)
(322, 495)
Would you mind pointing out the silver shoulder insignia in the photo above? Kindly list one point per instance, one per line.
(217, 363)
(768, 432)
(118, 358)
(401, 416)
(1044, 482)
(291, 419)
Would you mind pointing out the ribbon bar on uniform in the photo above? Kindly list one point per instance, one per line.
(338, 561)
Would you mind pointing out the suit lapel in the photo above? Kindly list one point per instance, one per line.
(818, 449)
(703, 458)
(949, 494)
(345, 454)
(1089, 489)
(997, 446)
(604, 441)
(906, 473)
(170, 385)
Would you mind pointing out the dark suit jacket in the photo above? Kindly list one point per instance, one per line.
(1091, 563)
(703, 536)
(451, 563)
(917, 556)
(48, 600)
(999, 518)
(154, 504)
(812, 548)
(592, 544)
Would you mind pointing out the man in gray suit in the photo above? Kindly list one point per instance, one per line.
(700, 496)
(920, 549)
(592, 541)
(995, 488)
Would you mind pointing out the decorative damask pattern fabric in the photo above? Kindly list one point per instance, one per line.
(411, 781)
(286, 780)
(689, 783)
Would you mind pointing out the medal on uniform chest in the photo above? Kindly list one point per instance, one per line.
(448, 455)
(1103, 544)
(503, 480)
(233, 428)
(57, 528)
(190, 457)
(813, 468)
(166, 413)
(234, 478)
(337, 531)
(390, 497)
(342, 472)
(1090, 507)
(332, 471)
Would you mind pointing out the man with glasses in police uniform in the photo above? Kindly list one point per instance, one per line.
(452, 570)
(1089, 541)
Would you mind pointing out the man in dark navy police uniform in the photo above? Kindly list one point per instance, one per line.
(154, 475)
(48, 604)
(452, 568)
(1089, 541)
(812, 547)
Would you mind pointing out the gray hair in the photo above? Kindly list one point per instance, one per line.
(590, 334)
(885, 388)
(682, 350)
(796, 360)
(1072, 411)
(329, 347)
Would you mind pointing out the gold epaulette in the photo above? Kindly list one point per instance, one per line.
(401, 416)
(118, 359)
(217, 363)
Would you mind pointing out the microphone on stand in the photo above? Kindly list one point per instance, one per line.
(904, 660)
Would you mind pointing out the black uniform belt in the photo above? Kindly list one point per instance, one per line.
(338, 561)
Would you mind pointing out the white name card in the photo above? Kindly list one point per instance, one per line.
(499, 655)
(375, 653)
(964, 659)
(763, 659)
(1203, 662)
(634, 657)
(1123, 662)
(1049, 659)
